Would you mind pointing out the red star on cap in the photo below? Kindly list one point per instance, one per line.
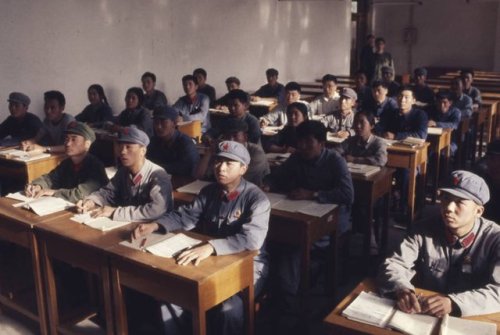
(456, 180)
(125, 131)
(72, 124)
(225, 147)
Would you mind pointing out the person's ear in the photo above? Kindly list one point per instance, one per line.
(479, 211)
(243, 169)
(87, 145)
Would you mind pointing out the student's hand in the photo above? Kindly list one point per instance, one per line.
(436, 305)
(196, 254)
(179, 119)
(349, 158)
(254, 98)
(32, 190)
(144, 229)
(104, 211)
(263, 123)
(46, 192)
(85, 206)
(29, 145)
(388, 135)
(431, 123)
(343, 134)
(407, 301)
(301, 194)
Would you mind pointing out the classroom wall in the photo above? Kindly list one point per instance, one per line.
(70, 44)
(449, 33)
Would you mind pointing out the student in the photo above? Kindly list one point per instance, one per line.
(460, 100)
(98, 111)
(50, 138)
(140, 190)
(277, 116)
(467, 76)
(201, 78)
(194, 105)
(235, 213)
(236, 130)
(286, 139)
(388, 77)
(379, 102)
(364, 147)
(232, 83)
(169, 148)
(134, 113)
(328, 102)
(424, 95)
(340, 122)
(366, 55)
(444, 115)
(363, 91)
(455, 254)
(488, 167)
(152, 97)
(273, 89)
(20, 125)
(239, 102)
(78, 175)
(381, 58)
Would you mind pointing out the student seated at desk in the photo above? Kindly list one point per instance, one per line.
(236, 130)
(362, 89)
(239, 101)
(134, 113)
(467, 76)
(388, 78)
(444, 115)
(20, 125)
(364, 147)
(379, 102)
(194, 105)
(51, 137)
(461, 100)
(286, 139)
(201, 79)
(328, 102)
(340, 122)
(152, 97)
(488, 167)
(78, 175)
(232, 83)
(169, 148)
(235, 213)
(140, 190)
(424, 95)
(273, 89)
(277, 116)
(98, 111)
(456, 253)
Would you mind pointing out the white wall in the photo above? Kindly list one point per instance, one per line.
(70, 44)
(450, 33)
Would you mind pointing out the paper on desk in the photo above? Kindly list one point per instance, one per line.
(23, 156)
(263, 102)
(271, 130)
(434, 130)
(370, 308)
(334, 139)
(274, 198)
(18, 196)
(307, 207)
(458, 326)
(99, 223)
(317, 209)
(173, 245)
(45, 205)
(277, 156)
(194, 187)
(151, 239)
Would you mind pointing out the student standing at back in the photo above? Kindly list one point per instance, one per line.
(134, 113)
(98, 111)
(20, 125)
(152, 97)
(201, 78)
(381, 58)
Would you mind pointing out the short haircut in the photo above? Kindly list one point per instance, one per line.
(231, 80)
(312, 128)
(297, 105)
(329, 77)
(240, 95)
(457, 80)
(293, 86)
(467, 71)
(271, 72)
(100, 92)
(149, 75)
(380, 39)
(444, 95)
(138, 92)
(378, 83)
(189, 77)
(360, 72)
(200, 71)
(407, 88)
(369, 117)
(55, 95)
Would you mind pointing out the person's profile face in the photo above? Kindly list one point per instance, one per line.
(17, 109)
(189, 87)
(148, 85)
(379, 93)
(53, 110)
(131, 100)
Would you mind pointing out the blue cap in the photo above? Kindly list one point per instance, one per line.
(165, 113)
(467, 185)
(234, 151)
(133, 135)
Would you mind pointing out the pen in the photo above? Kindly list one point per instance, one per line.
(143, 243)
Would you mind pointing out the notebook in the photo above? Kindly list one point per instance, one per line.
(194, 187)
(44, 205)
(410, 142)
(99, 223)
(23, 156)
(362, 169)
(163, 245)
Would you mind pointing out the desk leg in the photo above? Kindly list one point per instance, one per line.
(385, 225)
(50, 290)
(106, 288)
(333, 266)
(38, 277)
(119, 311)
(435, 177)
(249, 309)
(411, 195)
(199, 321)
(369, 227)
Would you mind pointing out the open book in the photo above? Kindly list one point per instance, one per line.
(163, 245)
(23, 156)
(99, 223)
(434, 130)
(41, 206)
(363, 169)
(309, 207)
(410, 142)
(381, 312)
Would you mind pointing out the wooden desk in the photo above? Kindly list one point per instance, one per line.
(26, 172)
(16, 226)
(82, 247)
(413, 159)
(438, 143)
(367, 190)
(196, 288)
(337, 324)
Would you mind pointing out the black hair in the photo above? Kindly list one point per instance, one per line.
(272, 72)
(55, 95)
(369, 117)
(407, 88)
(312, 128)
(200, 71)
(378, 83)
(138, 92)
(466, 71)
(444, 94)
(300, 106)
(149, 75)
(380, 39)
(240, 95)
(100, 92)
(188, 77)
(231, 80)
(329, 77)
(293, 86)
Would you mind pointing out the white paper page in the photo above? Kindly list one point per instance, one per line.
(31, 158)
(194, 187)
(274, 198)
(292, 206)
(370, 308)
(19, 196)
(276, 156)
(170, 247)
(458, 326)
(262, 102)
(414, 324)
(334, 139)
(151, 239)
(110, 171)
(316, 209)
(100, 223)
(48, 205)
(434, 130)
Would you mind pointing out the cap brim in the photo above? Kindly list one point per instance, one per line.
(461, 194)
(231, 157)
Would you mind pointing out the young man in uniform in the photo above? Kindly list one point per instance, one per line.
(20, 125)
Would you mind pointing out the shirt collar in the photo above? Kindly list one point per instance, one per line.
(363, 143)
(464, 241)
(136, 180)
(232, 196)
